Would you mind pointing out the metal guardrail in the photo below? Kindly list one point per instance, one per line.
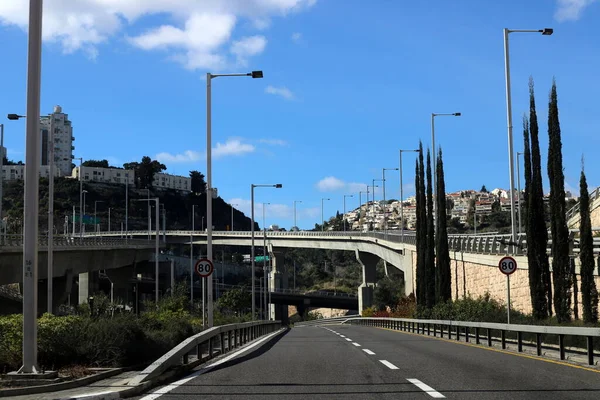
(230, 337)
(323, 293)
(16, 241)
(574, 211)
(433, 327)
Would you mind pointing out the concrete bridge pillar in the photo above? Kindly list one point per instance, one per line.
(365, 290)
(277, 280)
(88, 284)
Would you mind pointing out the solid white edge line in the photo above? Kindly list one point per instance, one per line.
(427, 389)
(107, 395)
(356, 344)
(388, 364)
(164, 390)
(369, 352)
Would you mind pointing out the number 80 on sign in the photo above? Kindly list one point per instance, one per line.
(204, 267)
(507, 265)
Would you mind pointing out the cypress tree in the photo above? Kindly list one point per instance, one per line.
(444, 276)
(430, 256)
(537, 233)
(421, 234)
(420, 291)
(560, 232)
(589, 292)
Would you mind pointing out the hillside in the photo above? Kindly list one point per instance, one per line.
(178, 206)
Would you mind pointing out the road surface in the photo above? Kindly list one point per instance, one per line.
(362, 363)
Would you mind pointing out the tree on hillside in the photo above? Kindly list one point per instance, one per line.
(198, 184)
(430, 255)
(558, 223)
(536, 232)
(589, 292)
(145, 171)
(11, 162)
(421, 227)
(97, 164)
(483, 189)
(443, 280)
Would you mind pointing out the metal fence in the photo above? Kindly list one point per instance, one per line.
(229, 337)
(16, 241)
(479, 331)
(574, 211)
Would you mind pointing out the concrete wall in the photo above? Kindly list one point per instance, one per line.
(476, 274)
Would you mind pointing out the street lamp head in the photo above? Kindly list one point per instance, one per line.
(547, 31)
(278, 185)
(14, 117)
(457, 114)
(256, 74)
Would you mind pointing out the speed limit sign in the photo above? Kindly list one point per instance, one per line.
(204, 267)
(507, 265)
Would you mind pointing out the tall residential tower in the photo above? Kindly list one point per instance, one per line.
(63, 140)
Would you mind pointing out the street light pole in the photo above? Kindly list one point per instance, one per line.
(506, 32)
(31, 198)
(295, 219)
(434, 163)
(232, 215)
(1, 174)
(192, 260)
(265, 275)
(323, 214)
(95, 209)
(50, 214)
(156, 246)
(253, 261)
(402, 194)
(209, 187)
(373, 206)
(344, 217)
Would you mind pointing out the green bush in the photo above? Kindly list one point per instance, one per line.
(11, 342)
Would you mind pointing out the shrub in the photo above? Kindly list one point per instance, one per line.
(59, 339)
(11, 343)
(369, 312)
(406, 307)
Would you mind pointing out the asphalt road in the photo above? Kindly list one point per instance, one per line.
(353, 362)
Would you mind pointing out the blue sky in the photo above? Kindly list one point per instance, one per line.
(347, 84)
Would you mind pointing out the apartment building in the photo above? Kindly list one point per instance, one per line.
(62, 128)
(106, 175)
(17, 172)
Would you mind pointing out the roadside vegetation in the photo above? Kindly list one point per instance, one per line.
(102, 336)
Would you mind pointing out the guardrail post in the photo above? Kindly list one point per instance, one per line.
(428, 329)
(467, 334)
(561, 346)
(229, 341)
(489, 337)
(434, 330)
(222, 339)
(184, 359)
(503, 337)
(476, 335)
(457, 333)
(538, 343)
(199, 351)
(520, 342)
(210, 348)
(590, 350)
(413, 327)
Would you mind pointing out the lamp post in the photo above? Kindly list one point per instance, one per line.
(1, 174)
(31, 199)
(323, 214)
(209, 187)
(545, 32)
(253, 261)
(156, 245)
(374, 186)
(95, 209)
(108, 219)
(232, 215)
(402, 193)
(192, 264)
(295, 220)
(384, 204)
(434, 163)
(265, 275)
(83, 192)
(344, 216)
(80, 173)
(149, 211)
(519, 189)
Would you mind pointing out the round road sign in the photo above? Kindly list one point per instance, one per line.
(507, 265)
(204, 267)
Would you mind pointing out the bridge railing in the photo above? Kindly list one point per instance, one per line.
(485, 330)
(323, 293)
(573, 211)
(325, 321)
(229, 337)
(15, 241)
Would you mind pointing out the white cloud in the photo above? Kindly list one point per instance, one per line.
(570, 10)
(280, 91)
(296, 37)
(185, 157)
(231, 147)
(196, 36)
(333, 184)
(274, 142)
(248, 46)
